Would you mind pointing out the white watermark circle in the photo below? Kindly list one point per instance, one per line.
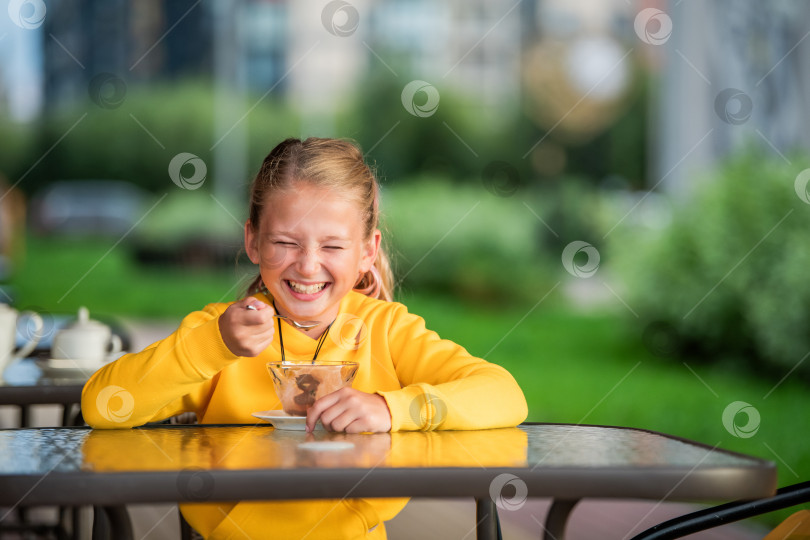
(195, 484)
(274, 256)
(28, 14)
(409, 98)
(340, 18)
(348, 331)
(194, 181)
(107, 90)
(109, 409)
(733, 106)
(501, 178)
(428, 411)
(752, 419)
(513, 502)
(800, 185)
(585, 270)
(653, 26)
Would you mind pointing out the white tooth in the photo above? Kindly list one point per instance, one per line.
(306, 289)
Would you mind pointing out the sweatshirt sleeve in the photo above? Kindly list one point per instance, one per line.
(167, 378)
(444, 387)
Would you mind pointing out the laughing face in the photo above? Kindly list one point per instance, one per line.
(311, 250)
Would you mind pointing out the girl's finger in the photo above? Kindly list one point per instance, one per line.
(314, 413)
(265, 312)
(254, 304)
(342, 421)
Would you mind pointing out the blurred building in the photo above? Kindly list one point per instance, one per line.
(20, 71)
(473, 47)
(130, 40)
(736, 76)
(722, 55)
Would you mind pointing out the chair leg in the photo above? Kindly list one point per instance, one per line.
(187, 532)
(111, 522)
(557, 519)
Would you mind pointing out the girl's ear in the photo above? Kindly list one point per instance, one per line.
(251, 243)
(370, 249)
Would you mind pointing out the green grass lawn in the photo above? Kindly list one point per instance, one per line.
(573, 367)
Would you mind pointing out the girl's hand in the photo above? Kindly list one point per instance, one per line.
(247, 331)
(351, 411)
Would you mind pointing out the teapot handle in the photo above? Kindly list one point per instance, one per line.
(115, 342)
(26, 349)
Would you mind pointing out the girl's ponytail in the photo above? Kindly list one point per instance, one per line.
(379, 281)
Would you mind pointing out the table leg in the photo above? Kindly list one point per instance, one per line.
(557, 518)
(67, 410)
(486, 518)
(25, 416)
(74, 521)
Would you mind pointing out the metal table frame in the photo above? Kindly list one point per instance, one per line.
(565, 485)
(68, 396)
(25, 386)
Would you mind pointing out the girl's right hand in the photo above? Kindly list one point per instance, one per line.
(247, 331)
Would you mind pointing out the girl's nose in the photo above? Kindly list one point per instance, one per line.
(308, 263)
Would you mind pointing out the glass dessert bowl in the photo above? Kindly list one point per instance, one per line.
(298, 386)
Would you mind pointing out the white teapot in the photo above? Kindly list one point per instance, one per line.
(8, 335)
(85, 340)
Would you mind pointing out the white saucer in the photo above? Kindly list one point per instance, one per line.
(68, 367)
(282, 420)
(326, 445)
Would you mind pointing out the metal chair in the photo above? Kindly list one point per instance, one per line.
(727, 513)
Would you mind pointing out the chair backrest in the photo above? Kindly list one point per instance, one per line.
(795, 527)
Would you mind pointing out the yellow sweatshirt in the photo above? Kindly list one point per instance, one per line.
(428, 383)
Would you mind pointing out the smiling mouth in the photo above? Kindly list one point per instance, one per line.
(306, 289)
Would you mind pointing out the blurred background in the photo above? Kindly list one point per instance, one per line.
(609, 198)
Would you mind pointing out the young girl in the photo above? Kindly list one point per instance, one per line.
(312, 230)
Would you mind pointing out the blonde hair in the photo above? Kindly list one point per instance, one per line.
(335, 164)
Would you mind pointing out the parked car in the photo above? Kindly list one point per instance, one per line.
(87, 208)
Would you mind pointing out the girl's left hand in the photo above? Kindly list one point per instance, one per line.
(351, 411)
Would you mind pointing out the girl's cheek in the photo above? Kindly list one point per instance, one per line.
(275, 256)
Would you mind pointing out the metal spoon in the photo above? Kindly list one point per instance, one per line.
(303, 325)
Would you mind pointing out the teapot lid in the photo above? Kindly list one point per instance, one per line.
(84, 322)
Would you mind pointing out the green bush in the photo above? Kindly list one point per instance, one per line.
(727, 277)
(458, 141)
(462, 239)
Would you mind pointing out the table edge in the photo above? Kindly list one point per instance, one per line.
(200, 485)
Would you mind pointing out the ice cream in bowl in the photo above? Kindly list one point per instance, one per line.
(298, 386)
